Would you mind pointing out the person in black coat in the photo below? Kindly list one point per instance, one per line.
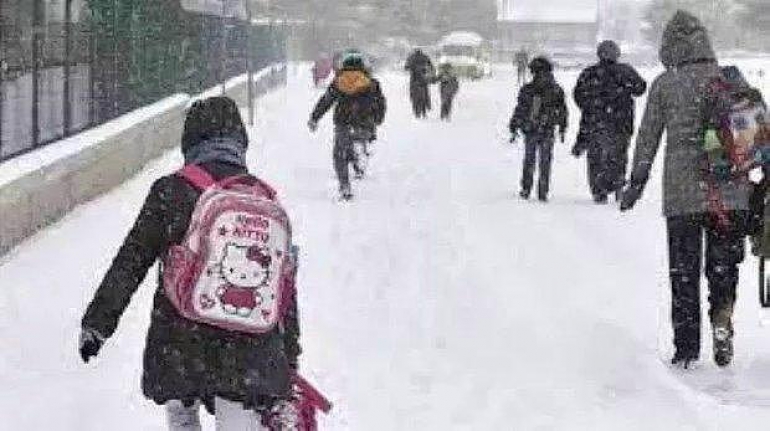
(360, 107)
(421, 73)
(539, 111)
(605, 94)
(449, 85)
(521, 61)
(187, 363)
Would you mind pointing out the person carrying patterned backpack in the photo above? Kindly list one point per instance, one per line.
(705, 183)
(224, 330)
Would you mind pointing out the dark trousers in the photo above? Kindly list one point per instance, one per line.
(538, 147)
(446, 107)
(724, 251)
(344, 154)
(521, 75)
(420, 96)
(607, 160)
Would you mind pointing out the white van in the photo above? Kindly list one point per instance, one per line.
(467, 52)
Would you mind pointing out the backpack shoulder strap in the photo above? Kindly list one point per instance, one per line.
(197, 176)
(255, 183)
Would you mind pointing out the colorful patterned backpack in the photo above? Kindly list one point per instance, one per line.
(235, 268)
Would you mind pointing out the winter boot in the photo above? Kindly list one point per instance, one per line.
(600, 198)
(524, 194)
(346, 192)
(722, 334)
(684, 359)
(542, 197)
(723, 345)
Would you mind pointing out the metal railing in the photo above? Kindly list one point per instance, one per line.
(68, 65)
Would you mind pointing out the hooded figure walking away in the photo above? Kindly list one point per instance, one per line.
(521, 61)
(239, 376)
(360, 108)
(421, 73)
(678, 105)
(448, 88)
(605, 94)
(539, 111)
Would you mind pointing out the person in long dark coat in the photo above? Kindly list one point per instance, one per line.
(678, 99)
(421, 73)
(187, 363)
(540, 110)
(605, 94)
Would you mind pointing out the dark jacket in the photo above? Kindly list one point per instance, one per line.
(421, 69)
(540, 107)
(604, 93)
(184, 360)
(677, 104)
(358, 98)
(448, 85)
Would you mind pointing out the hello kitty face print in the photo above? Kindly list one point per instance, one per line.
(235, 263)
(246, 273)
(246, 266)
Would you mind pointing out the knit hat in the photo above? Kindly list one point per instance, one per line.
(540, 65)
(210, 119)
(608, 51)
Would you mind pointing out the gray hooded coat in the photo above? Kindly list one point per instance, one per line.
(676, 105)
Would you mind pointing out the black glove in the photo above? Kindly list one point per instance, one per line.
(631, 195)
(91, 342)
(577, 151)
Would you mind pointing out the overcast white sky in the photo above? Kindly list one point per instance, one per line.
(550, 10)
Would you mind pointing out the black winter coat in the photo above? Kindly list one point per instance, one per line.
(540, 107)
(421, 69)
(358, 98)
(184, 360)
(604, 93)
(449, 85)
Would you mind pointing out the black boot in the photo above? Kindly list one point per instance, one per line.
(723, 345)
(684, 359)
(346, 193)
(600, 198)
(524, 194)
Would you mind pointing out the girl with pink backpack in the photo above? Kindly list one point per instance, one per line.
(224, 330)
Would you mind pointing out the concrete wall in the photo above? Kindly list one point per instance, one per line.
(39, 188)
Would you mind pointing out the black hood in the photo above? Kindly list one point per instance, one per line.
(212, 119)
(685, 40)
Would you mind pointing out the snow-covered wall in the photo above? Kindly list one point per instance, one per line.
(39, 188)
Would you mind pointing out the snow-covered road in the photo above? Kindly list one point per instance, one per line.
(436, 301)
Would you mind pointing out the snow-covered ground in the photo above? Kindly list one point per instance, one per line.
(436, 301)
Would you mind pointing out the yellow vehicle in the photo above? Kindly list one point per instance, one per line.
(467, 52)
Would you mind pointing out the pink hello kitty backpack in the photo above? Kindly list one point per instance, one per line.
(235, 268)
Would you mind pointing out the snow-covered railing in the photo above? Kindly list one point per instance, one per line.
(40, 187)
